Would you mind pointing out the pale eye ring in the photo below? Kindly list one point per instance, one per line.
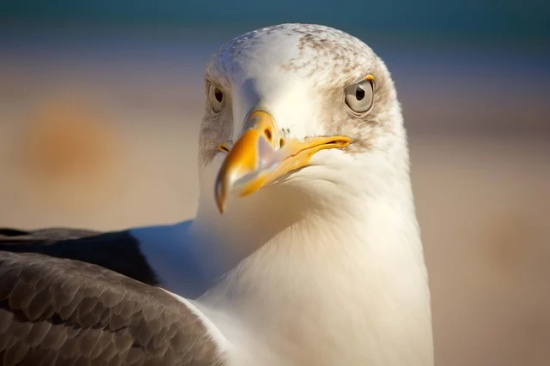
(360, 97)
(216, 97)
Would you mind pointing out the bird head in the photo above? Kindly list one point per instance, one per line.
(296, 105)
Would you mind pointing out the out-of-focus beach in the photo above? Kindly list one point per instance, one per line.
(102, 133)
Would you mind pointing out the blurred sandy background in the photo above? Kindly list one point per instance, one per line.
(99, 115)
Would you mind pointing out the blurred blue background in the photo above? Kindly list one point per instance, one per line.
(100, 103)
(489, 20)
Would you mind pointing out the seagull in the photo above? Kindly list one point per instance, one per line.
(305, 249)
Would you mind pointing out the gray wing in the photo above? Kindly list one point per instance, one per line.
(63, 312)
(118, 251)
(10, 236)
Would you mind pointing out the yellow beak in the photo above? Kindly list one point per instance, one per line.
(262, 155)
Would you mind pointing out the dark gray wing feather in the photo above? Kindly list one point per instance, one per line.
(42, 236)
(118, 251)
(65, 312)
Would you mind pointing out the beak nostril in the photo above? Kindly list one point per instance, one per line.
(223, 147)
(281, 142)
(268, 134)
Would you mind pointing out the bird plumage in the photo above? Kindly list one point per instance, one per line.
(323, 265)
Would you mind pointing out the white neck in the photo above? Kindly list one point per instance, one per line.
(337, 282)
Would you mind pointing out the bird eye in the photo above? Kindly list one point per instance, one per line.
(216, 98)
(360, 97)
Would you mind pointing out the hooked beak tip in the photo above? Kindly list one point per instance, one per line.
(221, 196)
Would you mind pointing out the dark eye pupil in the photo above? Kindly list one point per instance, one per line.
(359, 94)
(219, 95)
